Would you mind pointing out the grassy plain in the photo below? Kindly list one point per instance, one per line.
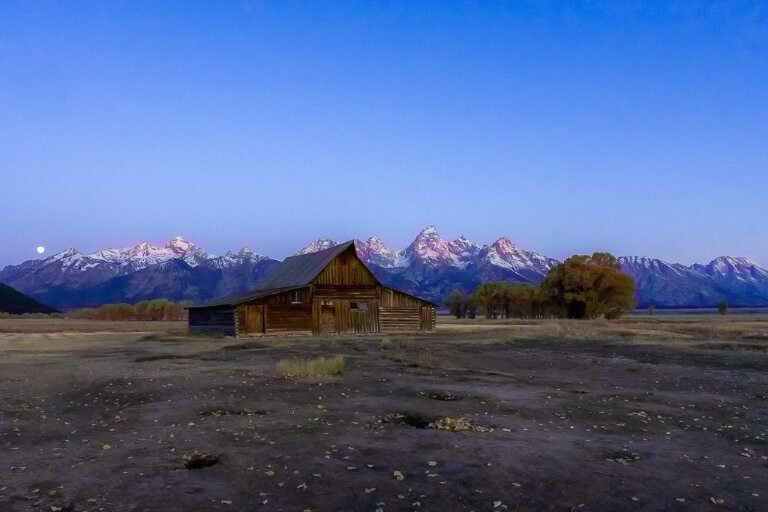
(646, 413)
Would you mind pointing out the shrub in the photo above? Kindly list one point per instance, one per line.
(317, 367)
(404, 342)
(150, 311)
(425, 359)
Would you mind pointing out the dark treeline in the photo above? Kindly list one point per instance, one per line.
(580, 287)
(148, 310)
(501, 299)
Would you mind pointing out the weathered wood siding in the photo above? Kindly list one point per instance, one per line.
(400, 312)
(364, 319)
(428, 318)
(220, 320)
(250, 319)
(276, 313)
(400, 320)
(346, 269)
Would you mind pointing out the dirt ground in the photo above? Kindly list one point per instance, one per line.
(104, 417)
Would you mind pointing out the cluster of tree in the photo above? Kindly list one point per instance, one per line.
(500, 299)
(147, 310)
(580, 287)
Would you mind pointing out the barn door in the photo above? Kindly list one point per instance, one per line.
(327, 317)
(254, 320)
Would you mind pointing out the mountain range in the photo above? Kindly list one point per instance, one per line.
(430, 267)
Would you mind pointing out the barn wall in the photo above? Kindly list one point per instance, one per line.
(278, 313)
(400, 320)
(346, 269)
(349, 321)
(393, 299)
(399, 312)
(212, 320)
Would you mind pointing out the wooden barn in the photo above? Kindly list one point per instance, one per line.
(326, 292)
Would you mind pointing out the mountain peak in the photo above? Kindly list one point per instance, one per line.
(69, 252)
(179, 245)
(734, 261)
(429, 231)
(504, 247)
(318, 245)
(373, 250)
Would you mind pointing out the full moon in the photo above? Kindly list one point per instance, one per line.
(40, 250)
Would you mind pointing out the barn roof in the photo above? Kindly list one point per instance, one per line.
(301, 269)
(293, 273)
(243, 297)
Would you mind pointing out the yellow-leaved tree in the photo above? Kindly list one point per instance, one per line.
(590, 287)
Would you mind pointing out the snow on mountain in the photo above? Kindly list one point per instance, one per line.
(431, 250)
(317, 245)
(145, 254)
(463, 248)
(428, 249)
(430, 267)
(503, 253)
(231, 259)
(374, 251)
(726, 267)
(739, 281)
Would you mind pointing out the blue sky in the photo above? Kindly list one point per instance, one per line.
(638, 128)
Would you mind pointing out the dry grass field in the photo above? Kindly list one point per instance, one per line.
(642, 414)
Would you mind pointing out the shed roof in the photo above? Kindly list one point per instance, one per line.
(243, 297)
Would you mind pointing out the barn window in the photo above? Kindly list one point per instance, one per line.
(295, 298)
(327, 303)
(358, 306)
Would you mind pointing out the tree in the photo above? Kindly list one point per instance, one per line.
(469, 307)
(522, 299)
(722, 308)
(590, 287)
(495, 297)
(455, 303)
(486, 296)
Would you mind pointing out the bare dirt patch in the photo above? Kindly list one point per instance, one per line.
(556, 422)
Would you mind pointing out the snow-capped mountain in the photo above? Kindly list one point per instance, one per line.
(145, 254)
(530, 266)
(431, 250)
(430, 267)
(739, 281)
(318, 245)
(71, 278)
(373, 251)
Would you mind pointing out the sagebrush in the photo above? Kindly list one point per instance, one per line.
(317, 367)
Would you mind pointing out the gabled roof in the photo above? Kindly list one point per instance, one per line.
(301, 269)
(293, 273)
